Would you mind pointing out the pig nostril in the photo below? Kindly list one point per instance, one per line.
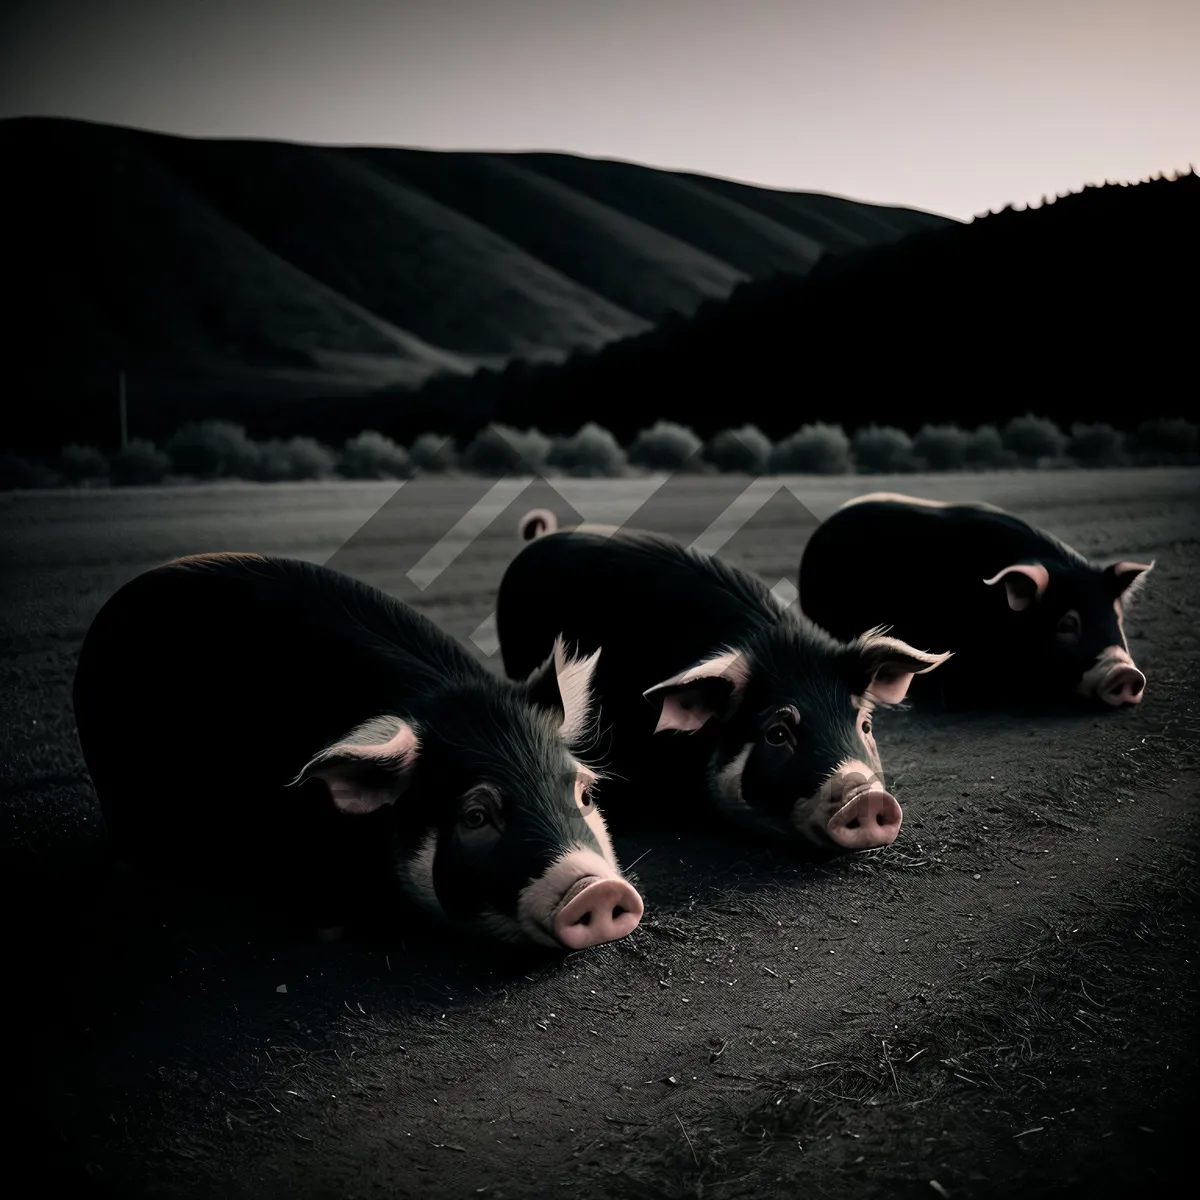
(598, 911)
(852, 824)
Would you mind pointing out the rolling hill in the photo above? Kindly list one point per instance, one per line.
(224, 276)
(1081, 308)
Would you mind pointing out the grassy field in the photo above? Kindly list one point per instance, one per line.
(998, 1003)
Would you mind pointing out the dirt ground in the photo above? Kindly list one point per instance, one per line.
(1003, 1002)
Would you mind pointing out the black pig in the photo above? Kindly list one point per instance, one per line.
(1028, 618)
(211, 690)
(707, 687)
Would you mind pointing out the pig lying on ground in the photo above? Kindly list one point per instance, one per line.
(707, 687)
(1028, 618)
(278, 724)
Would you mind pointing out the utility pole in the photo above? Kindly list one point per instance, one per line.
(124, 414)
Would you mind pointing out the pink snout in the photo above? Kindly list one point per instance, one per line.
(604, 911)
(1122, 685)
(870, 819)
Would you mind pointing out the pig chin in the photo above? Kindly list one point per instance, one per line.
(416, 877)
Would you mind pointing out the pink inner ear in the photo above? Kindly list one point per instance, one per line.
(685, 711)
(1130, 568)
(890, 686)
(346, 763)
(1017, 599)
(351, 797)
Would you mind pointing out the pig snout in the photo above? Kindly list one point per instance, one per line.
(603, 910)
(1114, 680)
(579, 901)
(868, 818)
(1124, 684)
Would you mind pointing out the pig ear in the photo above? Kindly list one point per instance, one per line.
(370, 767)
(563, 684)
(689, 700)
(1126, 579)
(886, 666)
(1024, 582)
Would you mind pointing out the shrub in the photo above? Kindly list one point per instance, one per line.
(1097, 445)
(881, 449)
(18, 472)
(985, 448)
(1033, 438)
(942, 447)
(746, 451)
(1165, 440)
(665, 446)
(589, 452)
(432, 452)
(77, 463)
(501, 450)
(213, 450)
(298, 458)
(370, 455)
(815, 449)
(141, 462)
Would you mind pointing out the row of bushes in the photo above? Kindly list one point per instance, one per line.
(220, 450)
(208, 450)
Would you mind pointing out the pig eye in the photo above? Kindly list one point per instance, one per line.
(583, 793)
(866, 727)
(782, 730)
(474, 817)
(1068, 628)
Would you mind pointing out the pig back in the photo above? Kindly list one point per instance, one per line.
(203, 687)
(650, 606)
(916, 568)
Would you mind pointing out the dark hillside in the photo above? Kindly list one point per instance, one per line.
(1063, 307)
(224, 275)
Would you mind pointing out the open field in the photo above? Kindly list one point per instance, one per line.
(1000, 1003)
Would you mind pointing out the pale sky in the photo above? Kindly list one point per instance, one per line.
(955, 106)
